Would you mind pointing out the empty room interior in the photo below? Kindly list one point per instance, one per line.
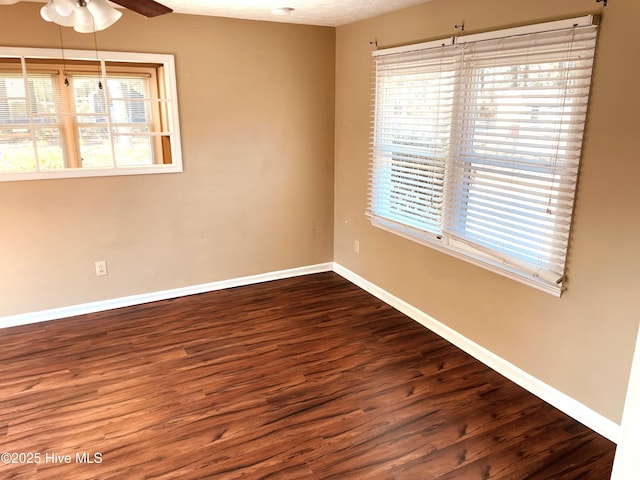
(267, 300)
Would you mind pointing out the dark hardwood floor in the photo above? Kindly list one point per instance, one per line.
(304, 378)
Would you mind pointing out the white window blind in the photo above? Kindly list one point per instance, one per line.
(414, 114)
(476, 147)
(30, 122)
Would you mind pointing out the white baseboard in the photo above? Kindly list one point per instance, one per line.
(559, 400)
(102, 305)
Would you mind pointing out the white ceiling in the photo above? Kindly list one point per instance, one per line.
(331, 13)
(310, 12)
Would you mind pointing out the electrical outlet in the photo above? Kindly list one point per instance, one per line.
(101, 268)
(356, 246)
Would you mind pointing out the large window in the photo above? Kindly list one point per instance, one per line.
(477, 142)
(86, 114)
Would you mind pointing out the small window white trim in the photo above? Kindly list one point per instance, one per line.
(170, 99)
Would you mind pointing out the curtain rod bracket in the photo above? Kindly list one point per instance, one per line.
(461, 26)
(604, 2)
(374, 42)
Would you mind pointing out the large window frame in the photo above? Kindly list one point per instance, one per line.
(135, 132)
(477, 141)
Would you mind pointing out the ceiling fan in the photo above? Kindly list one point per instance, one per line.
(88, 16)
(148, 8)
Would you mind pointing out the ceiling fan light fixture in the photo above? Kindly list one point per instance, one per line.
(86, 16)
(64, 7)
(44, 13)
(103, 14)
(83, 20)
(50, 14)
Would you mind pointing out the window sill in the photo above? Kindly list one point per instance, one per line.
(492, 265)
(89, 172)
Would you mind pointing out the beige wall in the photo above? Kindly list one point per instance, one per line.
(256, 110)
(582, 343)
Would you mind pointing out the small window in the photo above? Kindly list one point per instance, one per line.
(82, 116)
(476, 145)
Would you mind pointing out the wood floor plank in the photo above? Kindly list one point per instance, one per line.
(303, 378)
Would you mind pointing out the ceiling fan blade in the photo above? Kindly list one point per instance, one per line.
(148, 8)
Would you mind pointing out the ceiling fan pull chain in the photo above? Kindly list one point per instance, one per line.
(64, 62)
(95, 47)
